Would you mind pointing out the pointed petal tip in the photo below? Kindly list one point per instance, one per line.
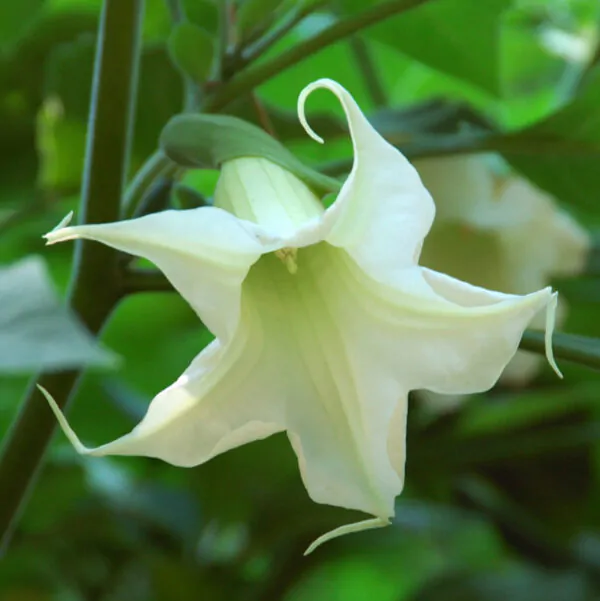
(54, 235)
(69, 433)
(347, 529)
(550, 322)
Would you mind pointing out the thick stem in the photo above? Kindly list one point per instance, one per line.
(252, 78)
(93, 293)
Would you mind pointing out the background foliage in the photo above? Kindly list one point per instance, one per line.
(503, 495)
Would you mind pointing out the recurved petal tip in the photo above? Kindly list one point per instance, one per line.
(550, 322)
(348, 529)
(69, 433)
(304, 94)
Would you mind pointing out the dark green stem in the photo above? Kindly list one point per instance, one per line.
(158, 165)
(145, 280)
(368, 70)
(255, 51)
(568, 347)
(252, 78)
(440, 145)
(93, 292)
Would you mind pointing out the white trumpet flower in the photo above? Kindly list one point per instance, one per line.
(324, 321)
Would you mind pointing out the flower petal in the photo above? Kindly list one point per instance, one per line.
(291, 365)
(221, 401)
(383, 211)
(205, 253)
(327, 384)
(464, 347)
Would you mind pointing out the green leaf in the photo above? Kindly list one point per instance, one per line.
(256, 16)
(572, 178)
(35, 329)
(458, 37)
(15, 19)
(191, 49)
(519, 583)
(203, 13)
(210, 140)
(60, 145)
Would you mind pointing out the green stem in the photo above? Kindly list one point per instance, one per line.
(252, 78)
(224, 39)
(440, 145)
(175, 10)
(158, 165)
(93, 292)
(368, 70)
(145, 280)
(255, 51)
(583, 350)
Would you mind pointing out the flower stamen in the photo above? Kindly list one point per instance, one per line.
(288, 257)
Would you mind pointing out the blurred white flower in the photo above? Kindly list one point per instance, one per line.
(501, 233)
(323, 320)
(572, 47)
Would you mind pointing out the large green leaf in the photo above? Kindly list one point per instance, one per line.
(516, 584)
(35, 329)
(458, 37)
(16, 18)
(572, 178)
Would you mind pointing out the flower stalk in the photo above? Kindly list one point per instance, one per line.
(93, 291)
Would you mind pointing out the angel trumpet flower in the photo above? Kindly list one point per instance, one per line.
(323, 321)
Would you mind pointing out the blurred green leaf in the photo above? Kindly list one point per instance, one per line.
(60, 144)
(35, 330)
(515, 583)
(430, 34)
(192, 50)
(571, 178)
(16, 18)
(521, 409)
(203, 13)
(256, 16)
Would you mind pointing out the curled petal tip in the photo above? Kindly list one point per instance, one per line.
(348, 529)
(301, 113)
(550, 321)
(73, 438)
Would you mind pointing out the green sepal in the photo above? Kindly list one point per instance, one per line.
(207, 141)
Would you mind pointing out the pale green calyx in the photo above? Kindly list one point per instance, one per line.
(257, 190)
(323, 319)
(195, 140)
